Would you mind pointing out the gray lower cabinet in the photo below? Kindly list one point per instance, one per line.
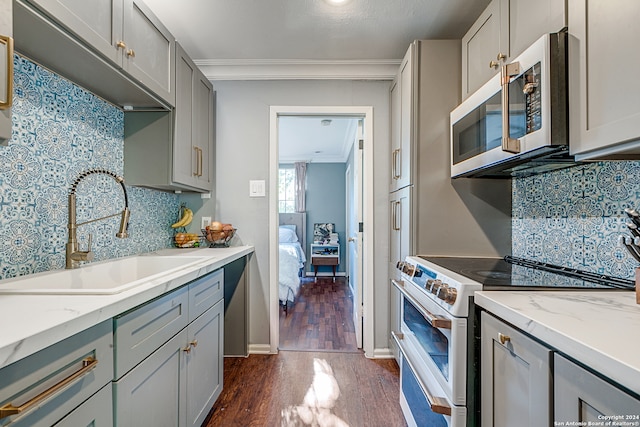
(97, 411)
(581, 396)
(169, 357)
(42, 389)
(515, 377)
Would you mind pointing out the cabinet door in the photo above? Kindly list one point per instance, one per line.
(6, 59)
(154, 393)
(395, 131)
(97, 411)
(401, 227)
(150, 52)
(407, 108)
(205, 363)
(605, 101)
(97, 22)
(528, 21)
(582, 396)
(516, 377)
(183, 152)
(485, 46)
(203, 130)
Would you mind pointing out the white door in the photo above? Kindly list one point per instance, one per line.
(354, 218)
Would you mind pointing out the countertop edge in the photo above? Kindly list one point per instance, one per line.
(596, 353)
(65, 315)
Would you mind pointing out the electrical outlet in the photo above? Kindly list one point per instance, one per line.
(206, 220)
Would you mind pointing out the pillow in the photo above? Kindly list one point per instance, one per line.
(287, 235)
(290, 226)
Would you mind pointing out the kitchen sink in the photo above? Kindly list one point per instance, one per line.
(100, 278)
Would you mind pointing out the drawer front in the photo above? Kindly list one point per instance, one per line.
(205, 292)
(72, 369)
(141, 331)
(95, 412)
(324, 260)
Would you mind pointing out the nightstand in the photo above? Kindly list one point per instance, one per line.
(325, 255)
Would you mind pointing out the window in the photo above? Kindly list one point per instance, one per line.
(286, 190)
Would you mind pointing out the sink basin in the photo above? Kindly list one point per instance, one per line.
(106, 277)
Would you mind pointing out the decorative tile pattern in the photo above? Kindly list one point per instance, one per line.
(60, 130)
(573, 217)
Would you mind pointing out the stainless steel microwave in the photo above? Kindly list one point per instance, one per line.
(517, 123)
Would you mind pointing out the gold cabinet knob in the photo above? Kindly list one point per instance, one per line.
(131, 53)
(503, 338)
(194, 343)
(501, 56)
(121, 44)
(494, 64)
(187, 349)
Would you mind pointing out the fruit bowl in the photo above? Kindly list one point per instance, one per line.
(219, 239)
(187, 240)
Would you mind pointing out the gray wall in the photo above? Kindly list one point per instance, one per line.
(326, 202)
(242, 154)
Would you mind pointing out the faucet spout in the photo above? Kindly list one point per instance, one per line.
(73, 253)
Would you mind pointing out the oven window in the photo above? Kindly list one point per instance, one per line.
(416, 400)
(432, 341)
(479, 131)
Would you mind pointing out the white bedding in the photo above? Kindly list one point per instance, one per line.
(289, 281)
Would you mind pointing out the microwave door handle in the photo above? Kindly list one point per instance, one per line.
(510, 145)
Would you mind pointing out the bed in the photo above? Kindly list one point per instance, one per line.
(292, 257)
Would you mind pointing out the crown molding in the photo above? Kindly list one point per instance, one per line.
(286, 69)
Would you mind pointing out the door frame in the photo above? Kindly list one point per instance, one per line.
(365, 112)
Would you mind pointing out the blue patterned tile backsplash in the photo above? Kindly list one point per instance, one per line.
(60, 130)
(573, 217)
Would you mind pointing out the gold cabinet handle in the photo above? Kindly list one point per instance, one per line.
(121, 44)
(396, 216)
(87, 364)
(194, 343)
(438, 405)
(503, 338)
(131, 53)
(198, 171)
(397, 164)
(8, 41)
(187, 349)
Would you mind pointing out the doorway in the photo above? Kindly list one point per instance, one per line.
(365, 117)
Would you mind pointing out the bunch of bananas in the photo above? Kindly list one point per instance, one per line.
(187, 217)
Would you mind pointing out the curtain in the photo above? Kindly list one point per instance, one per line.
(301, 177)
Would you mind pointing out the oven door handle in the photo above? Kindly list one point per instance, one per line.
(438, 322)
(438, 405)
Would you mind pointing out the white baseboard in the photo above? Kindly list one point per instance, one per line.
(382, 353)
(326, 274)
(259, 349)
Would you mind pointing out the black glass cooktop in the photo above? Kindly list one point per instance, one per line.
(511, 273)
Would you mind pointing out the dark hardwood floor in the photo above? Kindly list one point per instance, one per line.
(321, 319)
(322, 389)
(319, 378)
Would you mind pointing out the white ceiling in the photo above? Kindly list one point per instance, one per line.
(309, 39)
(305, 138)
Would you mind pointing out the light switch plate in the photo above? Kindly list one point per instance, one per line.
(257, 188)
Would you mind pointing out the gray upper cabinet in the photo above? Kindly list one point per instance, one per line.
(6, 75)
(402, 109)
(503, 31)
(604, 112)
(126, 33)
(485, 46)
(179, 143)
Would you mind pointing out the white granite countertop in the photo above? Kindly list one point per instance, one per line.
(599, 329)
(33, 322)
